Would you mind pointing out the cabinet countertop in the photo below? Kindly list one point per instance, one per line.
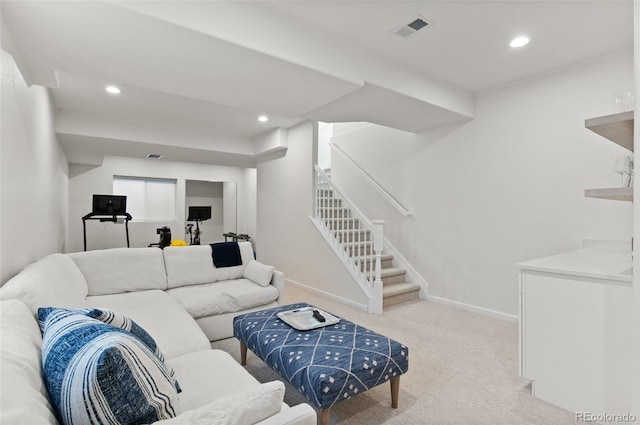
(587, 262)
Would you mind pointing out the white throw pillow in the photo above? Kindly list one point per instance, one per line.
(247, 408)
(259, 273)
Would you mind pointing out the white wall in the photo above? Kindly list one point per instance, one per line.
(325, 133)
(503, 188)
(33, 175)
(86, 180)
(248, 200)
(286, 237)
(230, 207)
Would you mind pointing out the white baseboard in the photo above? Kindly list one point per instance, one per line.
(328, 295)
(469, 307)
(445, 301)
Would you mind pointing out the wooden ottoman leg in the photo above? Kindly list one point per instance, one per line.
(243, 353)
(323, 417)
(395, 390)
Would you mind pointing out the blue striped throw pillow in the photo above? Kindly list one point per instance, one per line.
(121, 321)
(99, 373)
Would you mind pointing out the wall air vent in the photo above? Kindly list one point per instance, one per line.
(154, 156)
(412, 28)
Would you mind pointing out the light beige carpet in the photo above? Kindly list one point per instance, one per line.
(463, 369)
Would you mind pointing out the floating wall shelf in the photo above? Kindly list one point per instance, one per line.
(618, 128)
(614, 194)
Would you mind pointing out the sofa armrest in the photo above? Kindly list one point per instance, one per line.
(278, 281)
(301, 414)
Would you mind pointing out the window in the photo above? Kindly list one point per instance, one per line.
(147, 199)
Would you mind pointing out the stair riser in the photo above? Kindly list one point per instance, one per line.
(390, 280)
(364, 266)
(330, 203)
(362, 250)
(357, 236)
(387, 280)
(335, 213)
(343, 224)
(400, 298)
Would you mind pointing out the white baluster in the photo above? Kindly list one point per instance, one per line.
(317, 197)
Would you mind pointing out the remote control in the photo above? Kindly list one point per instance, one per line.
(319, 316)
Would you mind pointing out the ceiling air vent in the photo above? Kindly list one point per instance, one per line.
(154, 156)
(412, 28)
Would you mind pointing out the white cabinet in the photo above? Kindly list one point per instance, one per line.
(576, 328)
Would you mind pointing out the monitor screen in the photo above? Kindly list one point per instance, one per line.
(199, 213)
(109, 204)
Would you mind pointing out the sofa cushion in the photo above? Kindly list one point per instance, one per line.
(174, 330)
(98, 373)
(193, 265)
(117, 270)
(259, 273)
(54, 280)
(208, 375)
(119, 320)
(220, 326)
(20, 368)
(223, 297)
(246, 408)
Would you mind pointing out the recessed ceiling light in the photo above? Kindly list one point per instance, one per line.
(154, 156)
(263, 118)
(519, 41)
(112, 90)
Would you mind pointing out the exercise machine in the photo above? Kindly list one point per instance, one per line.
(108, 208)
(197, 214)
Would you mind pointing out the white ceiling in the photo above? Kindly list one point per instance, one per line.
(195, 75)
(468, 43)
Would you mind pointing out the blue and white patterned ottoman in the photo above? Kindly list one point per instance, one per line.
(327, 365)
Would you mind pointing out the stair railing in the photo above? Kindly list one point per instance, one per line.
(384, 193)
(358, 241)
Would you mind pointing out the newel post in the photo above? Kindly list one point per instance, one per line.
(378, 246)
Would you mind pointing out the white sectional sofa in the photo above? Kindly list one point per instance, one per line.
(178, 297)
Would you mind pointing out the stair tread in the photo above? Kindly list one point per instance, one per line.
(366, 257)
(360, 242)
(399, 288)
(392, 271)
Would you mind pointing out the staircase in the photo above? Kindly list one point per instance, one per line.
(353, 236)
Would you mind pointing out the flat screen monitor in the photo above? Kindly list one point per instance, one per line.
(199, 213)
(109, 204)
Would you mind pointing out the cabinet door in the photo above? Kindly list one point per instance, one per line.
(576, 341)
